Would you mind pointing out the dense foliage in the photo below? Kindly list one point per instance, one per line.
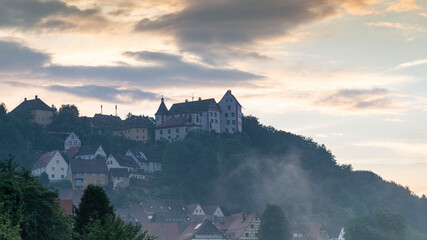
(29, 208)
(274, 225)
(381, 225)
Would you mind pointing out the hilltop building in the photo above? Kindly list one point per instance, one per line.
(41, 113)
(90, 152)
(83, 172)
(208, 115)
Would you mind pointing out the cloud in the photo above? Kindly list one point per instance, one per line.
(109, 94)
(396, 25)
(409, 64)
(15, 57)
(358, 99)
(39, 14)
(205, 26)
(403, 6)
(171, 70)
(423, 14)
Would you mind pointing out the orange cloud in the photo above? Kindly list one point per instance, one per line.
(403, 6)
(396, 25)
(357, 7)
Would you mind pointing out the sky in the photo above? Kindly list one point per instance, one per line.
(351, 74)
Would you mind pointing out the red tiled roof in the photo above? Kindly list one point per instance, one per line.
(171, 122)
(163, 231)
(67, 205)
(192, 207)
(238, 227)
(44, 160)
(71, 152)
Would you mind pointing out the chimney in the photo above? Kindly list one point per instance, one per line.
(243, 217)
(116, 110)
(186, 100)
(25, 99)
(200, 99)
(101, 109)
(36, 97)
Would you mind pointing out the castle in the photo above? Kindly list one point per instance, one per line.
(207, 114)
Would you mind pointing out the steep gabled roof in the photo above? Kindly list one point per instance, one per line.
(194, 106)
(119, 172)
(229, 93)
(88, 166)
(34, 104)
(44, 160)
(163, 231)
(240, 224)
(71, 152)
(210, 210)
(205, 228)
(87, 150)
(162, 108)
(125, 161)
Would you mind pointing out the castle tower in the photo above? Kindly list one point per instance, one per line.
(161, 113)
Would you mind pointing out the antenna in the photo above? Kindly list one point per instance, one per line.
(116, 110)
(101, 109)
(192, 96)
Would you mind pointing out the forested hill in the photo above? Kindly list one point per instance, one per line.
(264, 165)
(240, 172)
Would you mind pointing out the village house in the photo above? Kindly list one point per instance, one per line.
(146, 161)
(213, 210)
(90, 152)
(122, 161)
(40, 112)
(135, 128)
(102, 121)
(53, 164)
(119, 177)
(195, 209)
(72, 141)
(202, 230)
(245, 226)
(83, 172)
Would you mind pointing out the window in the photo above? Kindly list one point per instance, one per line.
(246, 234)
(161, 131)
(52, 176)
(228, 122)
(197, 118)
(62, 175)
(234, 129)
(216, 120)
(53, 168)
(177, 130)
(216, 114)
(169, 131)
(211, 120)
(177, 136)
(137, 130)
(169, 137)
(186, 129)
(57, 161)
(232, 114)
(233, 122)
(229, 107)
(211, 113)
(143, 137)
(226, 114)
(62, 169)
(137, 137)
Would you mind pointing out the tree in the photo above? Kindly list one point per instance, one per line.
(274, 225)
(7, 230)
(29, 206)
(381, 225)
(114, 228)
(44, 179)
(94, 205)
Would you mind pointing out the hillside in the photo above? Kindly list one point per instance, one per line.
(242, 171)
(263, 165)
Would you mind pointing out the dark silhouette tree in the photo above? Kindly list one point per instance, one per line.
(94, 205)
(274, 225)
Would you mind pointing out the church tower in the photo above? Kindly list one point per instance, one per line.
(161, 113)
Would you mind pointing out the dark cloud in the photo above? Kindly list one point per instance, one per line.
(17, 57)
(359, 99)
(35, 14)
(109, 94)
(210, 25)
(171, 70)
